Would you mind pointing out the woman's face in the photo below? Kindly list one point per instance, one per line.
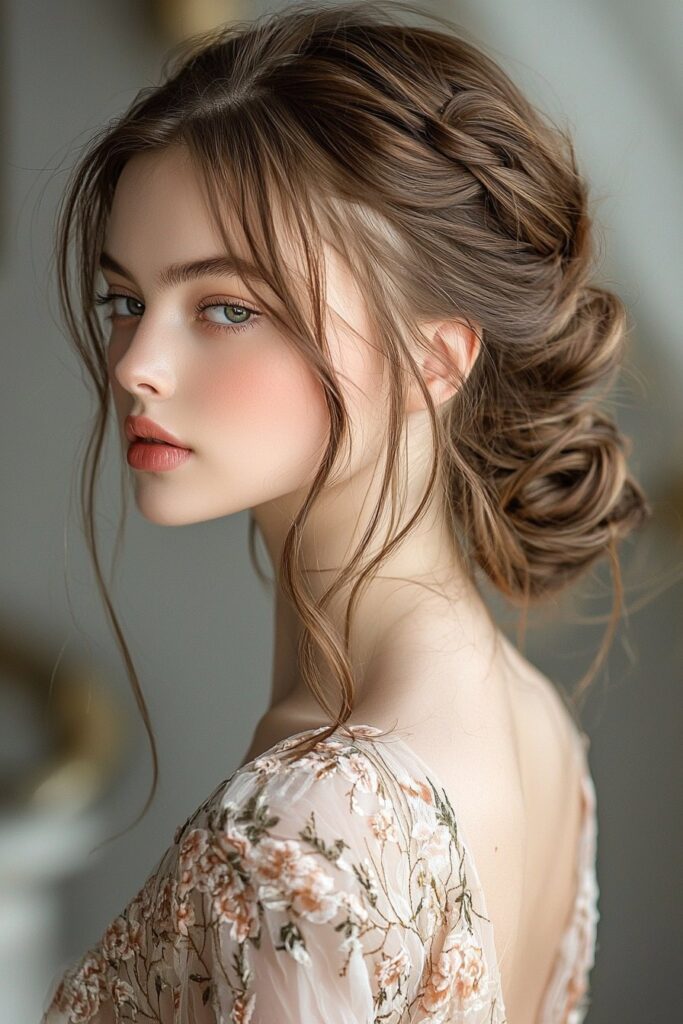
(222, 380)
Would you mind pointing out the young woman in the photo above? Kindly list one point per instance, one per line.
(348, 270)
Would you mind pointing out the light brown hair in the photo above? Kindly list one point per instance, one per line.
(449, 195)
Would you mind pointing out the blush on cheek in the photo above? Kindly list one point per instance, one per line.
(269, 413)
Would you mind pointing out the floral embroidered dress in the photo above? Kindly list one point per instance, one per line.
(335, 890)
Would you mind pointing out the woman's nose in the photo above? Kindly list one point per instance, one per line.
(140, 359)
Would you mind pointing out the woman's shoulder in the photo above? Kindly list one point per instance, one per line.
(387, 872)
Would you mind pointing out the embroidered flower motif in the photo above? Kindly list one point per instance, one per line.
(121, 939)
(360, 771)
(163, 908)
(232, 842)
(122, 994)
(193, 847)
(434, 843)
(183, 917)
(291, 878)
(83, 989)
(417, 789)
(459, 980)
(234, 903)
(267, 766)
(393, 970)
(141, 906)
(383, 825)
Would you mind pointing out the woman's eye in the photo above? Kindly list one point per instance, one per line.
(126, 304)
(231, 316)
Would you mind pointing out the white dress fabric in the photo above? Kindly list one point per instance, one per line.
(338, 889)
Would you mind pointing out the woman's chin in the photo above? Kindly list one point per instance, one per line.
(167, 516)
(164, 508)
(167, 509)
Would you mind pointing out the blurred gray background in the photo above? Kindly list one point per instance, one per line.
(197, 619)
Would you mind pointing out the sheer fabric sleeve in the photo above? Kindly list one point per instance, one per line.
(333, 890)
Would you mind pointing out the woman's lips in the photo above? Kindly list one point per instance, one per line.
(137, 427)
(156, 458)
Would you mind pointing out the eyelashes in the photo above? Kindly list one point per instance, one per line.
(213, 303)
(226, 304)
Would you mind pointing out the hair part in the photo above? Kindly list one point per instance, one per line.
(414, 154)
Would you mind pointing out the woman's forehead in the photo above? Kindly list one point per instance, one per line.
(160, 220)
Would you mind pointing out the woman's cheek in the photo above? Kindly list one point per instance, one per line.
(271, 406)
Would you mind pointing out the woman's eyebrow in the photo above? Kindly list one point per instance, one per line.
(177, 273)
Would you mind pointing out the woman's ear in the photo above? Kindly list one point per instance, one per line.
(452, 350)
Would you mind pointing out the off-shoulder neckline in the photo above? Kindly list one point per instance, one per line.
(365, 732)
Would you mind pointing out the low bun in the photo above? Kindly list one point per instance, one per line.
(549, 490)
(561, 509)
